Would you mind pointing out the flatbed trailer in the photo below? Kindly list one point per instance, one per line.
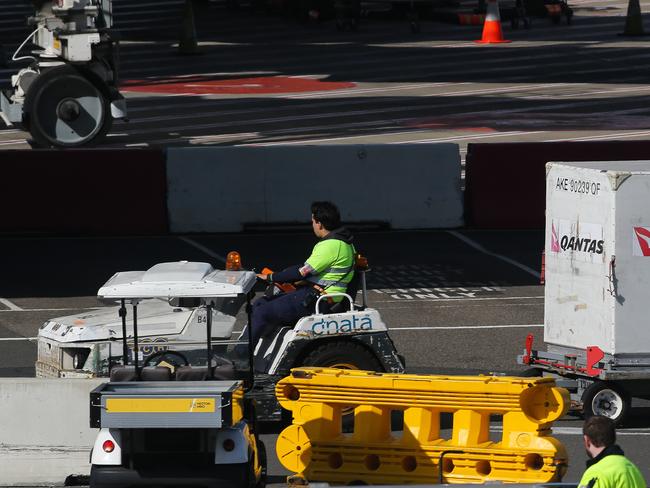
(597, 273)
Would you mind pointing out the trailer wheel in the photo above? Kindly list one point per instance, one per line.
(63, 108)
(606, 399)
(343, 355)
(531, 373)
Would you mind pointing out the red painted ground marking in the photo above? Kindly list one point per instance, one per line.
(201, 86)
(455, 125)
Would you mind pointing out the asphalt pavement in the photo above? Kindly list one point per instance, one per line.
(263, 78)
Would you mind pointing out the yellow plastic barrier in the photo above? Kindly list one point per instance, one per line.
(316, 449)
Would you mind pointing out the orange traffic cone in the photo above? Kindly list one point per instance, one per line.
(492, 33)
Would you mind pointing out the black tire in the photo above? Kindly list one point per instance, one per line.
(606, 399)
(531, 373)
(344, 355)
(63, 108)
(159, 355)
(247, 477)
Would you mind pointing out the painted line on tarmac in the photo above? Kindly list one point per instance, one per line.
(618, 135)
(466, 327)
(407, 133)
(578, 431)
(14, 339)
(12, 306)
(457, 299)
(337, 115)
(50, 309)
(12, 142)
(201, 247)
(503, 258)
(447, 327)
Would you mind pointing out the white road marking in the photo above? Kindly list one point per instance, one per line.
(201, 247)
(11, 142)
(338, 115)
(50, 309)
(458, 299)
(469, 137)
(474, 136)
(506, 259)
(12, 306)
(15, 339)
(357, 91)
(578, 431)
(465, 327)
(617, 135)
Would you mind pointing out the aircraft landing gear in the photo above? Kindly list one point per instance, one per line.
(65, 109)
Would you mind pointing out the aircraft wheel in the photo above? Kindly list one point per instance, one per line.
(65, 109)
(606, 399)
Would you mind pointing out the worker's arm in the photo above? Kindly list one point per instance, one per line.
(288, 275)
(319, 260)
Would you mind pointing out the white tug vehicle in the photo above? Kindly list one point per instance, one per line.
(171, 332)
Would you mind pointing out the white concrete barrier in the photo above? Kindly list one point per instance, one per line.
(44, 430)
(409, 186)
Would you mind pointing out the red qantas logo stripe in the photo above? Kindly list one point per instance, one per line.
(643, 236)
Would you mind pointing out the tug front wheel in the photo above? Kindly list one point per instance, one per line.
(65, 109)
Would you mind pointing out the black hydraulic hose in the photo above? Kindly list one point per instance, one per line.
(125, 347)
(251, 346)
(442, 455)
(208, 311)
(135, 340)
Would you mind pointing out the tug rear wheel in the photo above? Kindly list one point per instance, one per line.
(65, 109)
(343, 355)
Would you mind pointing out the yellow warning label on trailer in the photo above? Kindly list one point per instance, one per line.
(160, 405)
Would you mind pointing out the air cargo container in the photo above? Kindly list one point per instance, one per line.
(597, 293)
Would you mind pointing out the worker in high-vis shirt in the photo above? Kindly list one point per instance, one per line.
(329, 269)
(607, 466)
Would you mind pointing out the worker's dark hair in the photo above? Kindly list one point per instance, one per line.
(327, 214)
(600, 430)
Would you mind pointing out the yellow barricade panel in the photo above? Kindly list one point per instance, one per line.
(324, 400)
